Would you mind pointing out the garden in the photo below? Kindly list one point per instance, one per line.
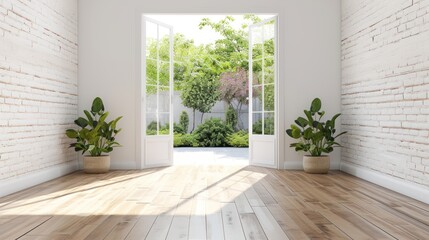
(206, 74)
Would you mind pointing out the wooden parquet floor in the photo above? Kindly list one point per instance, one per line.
(211, 202)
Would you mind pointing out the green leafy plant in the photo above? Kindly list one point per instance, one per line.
(151, 129)
(185, 140)
(315, 137)
(178, 129)
(268, 126)
(231, 118)
(200, 92)
(184, 121)
(238, 139)
(213, 133)
(95, 135)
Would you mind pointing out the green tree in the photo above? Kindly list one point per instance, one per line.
(231, 54)
(200, 87)
(231, 51)
(185, 51)
(200, 93)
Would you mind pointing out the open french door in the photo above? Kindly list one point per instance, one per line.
(157, 87)
(263, 94)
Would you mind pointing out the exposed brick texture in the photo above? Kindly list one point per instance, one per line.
(385, 86)
(38, 84)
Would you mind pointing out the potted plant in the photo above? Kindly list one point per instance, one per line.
(315, 137)
(95, 136)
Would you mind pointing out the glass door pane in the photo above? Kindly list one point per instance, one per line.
(157, 147)
(263, 75)
(263, 142)
(158, 79)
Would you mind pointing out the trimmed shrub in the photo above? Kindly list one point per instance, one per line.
(185, 140)
(184, 121)
(213, 133)
(239, 139)
(178, 129)
(231, 118)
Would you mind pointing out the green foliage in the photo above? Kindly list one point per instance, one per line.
(185, 140)
(268, 126)
(231, 54)
(231, 118)
(95, 135)
(313, 135)
(184, 121)
(163, 131)
(231, 51)
(181, 46)
(178, 129)
(185, 54)
(238, 139)
(198, 69)
(152, 126)
(213, 133)
(200, 92)
(151, 129)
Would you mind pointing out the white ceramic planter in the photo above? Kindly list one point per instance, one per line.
(316, 164)
(100, 164)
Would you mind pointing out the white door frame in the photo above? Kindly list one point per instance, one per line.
(157, 145)
(270, 143)
(140, 67)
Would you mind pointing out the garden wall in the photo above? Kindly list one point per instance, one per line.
(385, 93)
(38, 90)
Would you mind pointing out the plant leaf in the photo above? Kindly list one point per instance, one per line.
(334, 118)
(309, 117)
(97, 105)
(101, 121)
(302, 122)
(91, 147)
(294, 127)
(114, 122)
(90, 119)
(296, 133)
(308, 133)
(71, 133)
(81, 122)
(340, 134)
(316, 105)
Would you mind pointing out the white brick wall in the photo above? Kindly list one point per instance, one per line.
(38, 84)
(385, 86)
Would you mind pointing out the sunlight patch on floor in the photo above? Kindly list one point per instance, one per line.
(167, 191)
